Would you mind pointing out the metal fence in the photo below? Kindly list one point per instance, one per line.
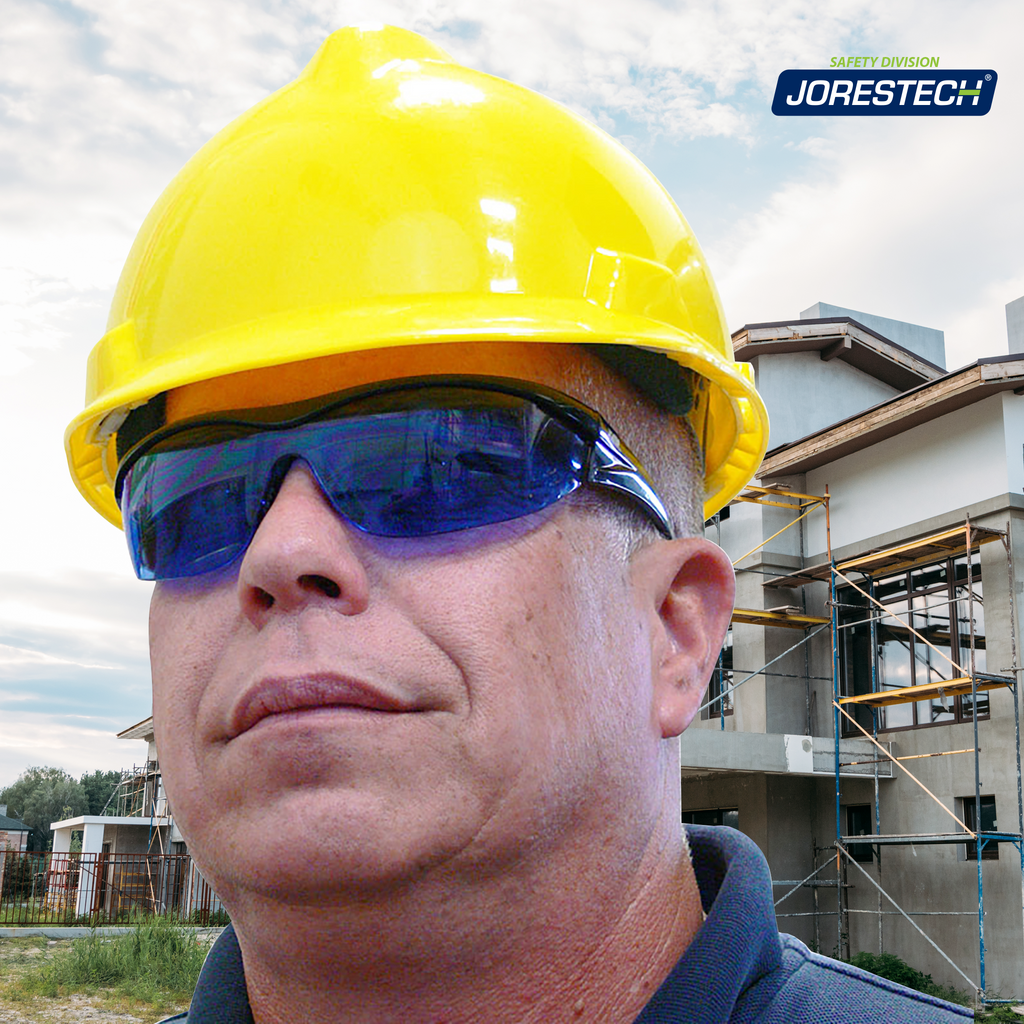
(102, 888)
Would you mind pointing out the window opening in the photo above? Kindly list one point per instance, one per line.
(936, 601)
(858, 823)
(721, 683)
(990, 851)
(716, 816)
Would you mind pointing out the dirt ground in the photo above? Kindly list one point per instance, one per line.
(19, 956)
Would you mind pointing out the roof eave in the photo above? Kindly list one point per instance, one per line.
(954, 390)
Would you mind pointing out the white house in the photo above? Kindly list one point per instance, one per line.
(132, 858)
(924, 477)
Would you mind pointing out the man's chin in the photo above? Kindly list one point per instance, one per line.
(324, 862)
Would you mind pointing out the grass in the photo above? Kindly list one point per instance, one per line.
(1000, 1015)
(35, 914)
(153, 968)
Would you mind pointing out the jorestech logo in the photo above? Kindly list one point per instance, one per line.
(880, 93)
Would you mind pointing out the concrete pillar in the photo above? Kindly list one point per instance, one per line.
(1015, 325)
(61, 840)
(88, 876)
(92, 837)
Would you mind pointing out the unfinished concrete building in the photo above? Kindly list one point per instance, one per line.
(888, 613)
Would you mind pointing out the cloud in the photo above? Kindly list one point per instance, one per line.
(76, 744)
(913, 218)
(822, 149)
(16, 657)
(74, 643)
(674, 67)
(102, 101)
(102, 600)
(93, 611)
(898, 233)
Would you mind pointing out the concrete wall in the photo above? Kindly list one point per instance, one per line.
(929, 470)
(789, 819)
(784, 700)
(804, 394)
(925, 341)
(928, 880)
(792, 820)
(938, 880)
(742, 531)
(130, 838)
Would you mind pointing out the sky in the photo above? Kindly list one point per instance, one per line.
(102, 101)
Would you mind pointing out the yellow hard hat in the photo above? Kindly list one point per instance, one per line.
(389, 196)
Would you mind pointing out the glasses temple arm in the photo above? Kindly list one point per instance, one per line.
(610, 468)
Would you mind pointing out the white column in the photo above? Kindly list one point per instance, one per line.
(92, 847)
(61, 840)
(58, 870)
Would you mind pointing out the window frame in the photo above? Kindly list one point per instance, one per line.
(904, 588)
(722, 676)
(990, 851)
(863, 853)
(719, 813)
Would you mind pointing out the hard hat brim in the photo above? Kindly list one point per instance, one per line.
(733, 449)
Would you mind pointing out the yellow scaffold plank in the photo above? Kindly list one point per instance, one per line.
(762, 617)
(948, 543)
(758, 496)
(925, 691)
(945, 544)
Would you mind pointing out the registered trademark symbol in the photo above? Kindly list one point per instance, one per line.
(988, 78)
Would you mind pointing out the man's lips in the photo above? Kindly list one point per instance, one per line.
(308, 693)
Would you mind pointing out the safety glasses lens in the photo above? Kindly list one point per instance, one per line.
(192, 503)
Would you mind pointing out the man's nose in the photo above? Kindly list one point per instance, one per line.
(301, 553)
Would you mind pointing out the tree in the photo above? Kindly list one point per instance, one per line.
(43, 795)
(98, 788)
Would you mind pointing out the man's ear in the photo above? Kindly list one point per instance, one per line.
(687, 587)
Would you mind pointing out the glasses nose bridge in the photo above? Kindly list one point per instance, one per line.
(282, 465)
(301, 548)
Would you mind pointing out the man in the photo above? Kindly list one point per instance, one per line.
(425, 629)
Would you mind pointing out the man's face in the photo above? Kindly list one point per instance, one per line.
(338, 712)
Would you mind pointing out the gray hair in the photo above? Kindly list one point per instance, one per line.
(664, 444)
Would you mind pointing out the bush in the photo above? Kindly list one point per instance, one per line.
(210, 918)
(892, 968)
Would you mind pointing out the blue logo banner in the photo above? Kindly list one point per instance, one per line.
(914, 92)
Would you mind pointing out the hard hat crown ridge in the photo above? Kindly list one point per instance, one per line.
(390, 196)
(351, 55)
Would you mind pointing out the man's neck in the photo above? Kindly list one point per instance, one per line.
(590, 949)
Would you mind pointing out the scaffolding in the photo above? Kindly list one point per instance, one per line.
(137, 792)
(964, 678)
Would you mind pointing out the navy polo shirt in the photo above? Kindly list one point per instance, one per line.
(740, 970)
(737, 970)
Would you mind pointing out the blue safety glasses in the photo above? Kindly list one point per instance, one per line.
(405, 458)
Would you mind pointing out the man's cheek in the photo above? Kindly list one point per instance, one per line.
(181, 661)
